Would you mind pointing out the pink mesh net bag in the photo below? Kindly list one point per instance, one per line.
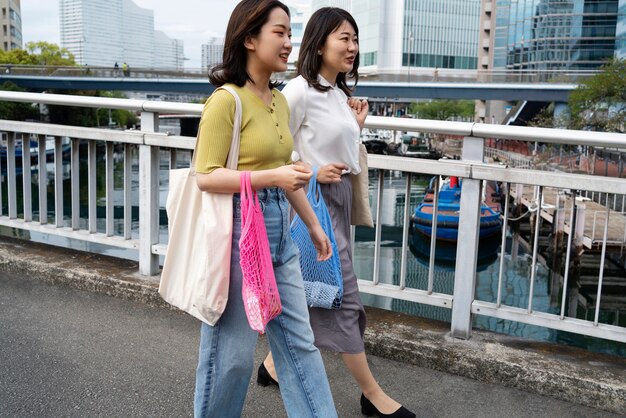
(259, 291)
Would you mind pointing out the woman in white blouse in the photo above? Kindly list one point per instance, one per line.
(326, 123)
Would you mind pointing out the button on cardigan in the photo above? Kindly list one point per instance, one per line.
(323, 126)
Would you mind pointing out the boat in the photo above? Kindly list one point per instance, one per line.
(449, 204)
(376, 141)
(417, 146)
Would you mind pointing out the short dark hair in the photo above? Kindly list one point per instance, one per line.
(321, 24)
(246, 20)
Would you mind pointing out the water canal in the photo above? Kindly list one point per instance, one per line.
(515, 285)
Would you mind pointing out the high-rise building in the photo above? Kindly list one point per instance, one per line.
(171, 54)
(344, 4)
(552, 35)
(102, 32)
(212, 53)
(11, 20)
(299, 18)
(620, 31)
(400, 34)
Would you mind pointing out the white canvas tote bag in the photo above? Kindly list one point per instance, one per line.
(196, 271)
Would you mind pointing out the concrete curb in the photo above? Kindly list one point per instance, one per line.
(565, 373)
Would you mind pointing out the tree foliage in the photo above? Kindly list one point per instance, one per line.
(45, 53)
(91, 117)
(443, 109)
(119, 117)
(16, 111)
(598, 103)
(38, 53)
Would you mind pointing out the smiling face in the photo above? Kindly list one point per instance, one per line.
(339, 51)
(269, 50)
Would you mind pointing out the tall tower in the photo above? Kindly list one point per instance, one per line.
(11, 20)
(620, 31)
(212, 53)
(103, 32)
(485, 56)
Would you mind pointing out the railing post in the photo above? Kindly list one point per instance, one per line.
(148, 198)
(467, 248)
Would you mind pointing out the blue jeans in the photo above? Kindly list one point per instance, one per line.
(226, 359)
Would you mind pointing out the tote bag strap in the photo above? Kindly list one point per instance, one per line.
(233, 153)
(314, 194)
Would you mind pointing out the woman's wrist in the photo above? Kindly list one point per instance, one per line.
(262, 179)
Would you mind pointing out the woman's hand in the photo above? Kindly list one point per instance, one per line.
(321, 242)
(360, 109)
(331, 173)
(291, 177)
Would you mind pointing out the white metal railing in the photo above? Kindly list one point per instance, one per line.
(510, 158)
(413, 74)
(145, 148)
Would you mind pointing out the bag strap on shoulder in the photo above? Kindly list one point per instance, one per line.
(233, 154)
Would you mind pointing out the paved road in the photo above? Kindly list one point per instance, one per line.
(71, 353)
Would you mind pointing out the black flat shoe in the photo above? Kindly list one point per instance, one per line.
(264, 378)
(368, 409)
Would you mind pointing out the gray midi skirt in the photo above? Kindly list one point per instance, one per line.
(341, 329)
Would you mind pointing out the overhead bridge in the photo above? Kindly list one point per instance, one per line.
(544, 92)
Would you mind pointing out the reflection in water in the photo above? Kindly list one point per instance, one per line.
(515, 279)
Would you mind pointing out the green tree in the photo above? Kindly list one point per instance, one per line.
(443, 109)
(599, 103)
(119, 117)
(90, 117)
(73, 115)
(38, 53)
(17, 111)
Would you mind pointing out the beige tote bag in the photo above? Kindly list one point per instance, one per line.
(361, 212)
(196, 272)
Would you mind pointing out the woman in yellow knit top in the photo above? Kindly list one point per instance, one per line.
(257, 44)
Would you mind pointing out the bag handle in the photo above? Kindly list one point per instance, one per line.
(315, 192)
(233, 154)
(247, 194)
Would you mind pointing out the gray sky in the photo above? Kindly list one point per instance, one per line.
(193, 21)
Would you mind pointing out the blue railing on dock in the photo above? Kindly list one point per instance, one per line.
(552, 200)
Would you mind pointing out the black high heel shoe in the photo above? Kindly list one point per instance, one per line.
(264, 378)
(368, 409)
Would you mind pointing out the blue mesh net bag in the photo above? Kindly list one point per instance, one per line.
(323, 282)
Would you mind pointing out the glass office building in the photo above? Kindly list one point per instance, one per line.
(103, 32)
(558, 34)
(441, 34)
(620, 31)
(396, 34)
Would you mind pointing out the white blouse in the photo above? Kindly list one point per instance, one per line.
(324, 128)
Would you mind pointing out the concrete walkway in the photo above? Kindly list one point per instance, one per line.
(72, 353)
(70, 349)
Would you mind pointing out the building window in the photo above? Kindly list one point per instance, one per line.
(4, 12)
(369, 58)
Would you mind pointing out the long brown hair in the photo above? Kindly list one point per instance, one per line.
(321, 24)
(246, 20)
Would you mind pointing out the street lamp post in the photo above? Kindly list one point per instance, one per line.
(80, 49)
